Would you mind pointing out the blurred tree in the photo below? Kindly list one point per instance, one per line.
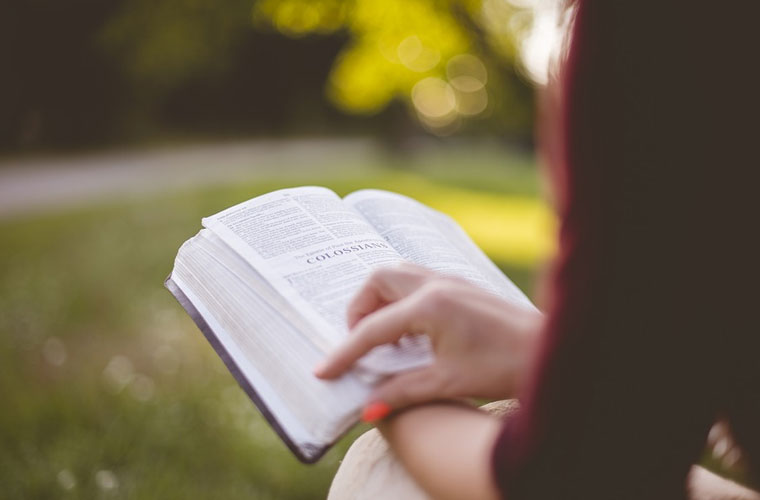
(448, 60)
(200, 68)
(96, 71)
(56, 88)
(164, 43)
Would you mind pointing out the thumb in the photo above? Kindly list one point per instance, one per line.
(412, 387)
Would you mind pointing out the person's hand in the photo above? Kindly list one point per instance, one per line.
(482, 343)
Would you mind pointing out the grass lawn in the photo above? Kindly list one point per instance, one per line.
(108, 389)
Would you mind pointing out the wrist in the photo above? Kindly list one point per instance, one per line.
(410, 418)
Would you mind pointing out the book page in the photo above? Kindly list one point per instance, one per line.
(316, 252)
(431, 239)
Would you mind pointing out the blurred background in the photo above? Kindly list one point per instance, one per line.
(94, 73)
(123, 122)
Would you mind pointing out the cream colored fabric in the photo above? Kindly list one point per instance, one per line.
(370, 471)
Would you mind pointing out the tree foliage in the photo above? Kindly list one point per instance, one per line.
(161, 44)
(448, 60)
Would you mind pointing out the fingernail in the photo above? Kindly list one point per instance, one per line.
(319, 369)
(375, 411)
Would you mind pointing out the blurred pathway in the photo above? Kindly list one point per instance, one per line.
(45, 183)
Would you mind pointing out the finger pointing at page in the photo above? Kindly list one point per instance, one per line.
(383, 326)
(385, 286)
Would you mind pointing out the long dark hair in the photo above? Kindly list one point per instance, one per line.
(652, 332)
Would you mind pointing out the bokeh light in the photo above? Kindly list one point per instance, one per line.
(435, 102)
(416, 56)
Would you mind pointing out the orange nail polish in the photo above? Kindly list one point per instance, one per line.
(375, 411)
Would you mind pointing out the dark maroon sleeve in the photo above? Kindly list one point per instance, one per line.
(652, 330)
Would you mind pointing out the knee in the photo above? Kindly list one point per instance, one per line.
(371, 471)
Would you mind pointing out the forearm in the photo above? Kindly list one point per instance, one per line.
(446, 448)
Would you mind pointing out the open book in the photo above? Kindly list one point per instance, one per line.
(268, 282)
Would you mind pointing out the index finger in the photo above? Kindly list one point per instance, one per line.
(387, 325)
(384, 286)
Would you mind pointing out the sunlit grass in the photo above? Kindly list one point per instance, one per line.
(108, 388)
(518, 230)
